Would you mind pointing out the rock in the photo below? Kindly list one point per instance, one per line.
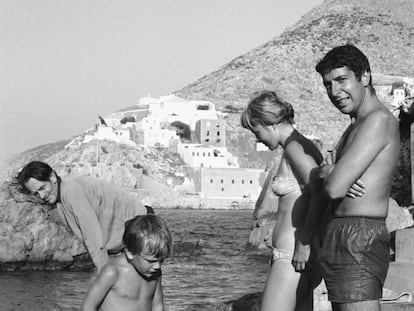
(249, 302)
(12, 248)
(32, 238)
(398, 217)
(63, 257)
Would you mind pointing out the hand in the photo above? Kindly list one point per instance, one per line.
(330, 157)
(356, 190)
(325, 170)
(301, 256)
(328, 164)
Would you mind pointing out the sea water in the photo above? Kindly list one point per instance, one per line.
(211, 266)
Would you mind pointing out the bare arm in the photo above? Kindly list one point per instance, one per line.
(314, 217)
(308, 172)
(100, 288)
(357, 189)
(158, 301)
(367, 143)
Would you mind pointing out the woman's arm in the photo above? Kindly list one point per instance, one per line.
(306, 168)
(314, 217)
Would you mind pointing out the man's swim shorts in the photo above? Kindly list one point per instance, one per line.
(354, 258)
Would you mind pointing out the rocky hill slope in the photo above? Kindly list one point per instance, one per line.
(383, 30)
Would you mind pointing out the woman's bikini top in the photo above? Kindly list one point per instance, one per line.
(284, 181)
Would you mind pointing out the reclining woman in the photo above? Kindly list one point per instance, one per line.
(293, 273)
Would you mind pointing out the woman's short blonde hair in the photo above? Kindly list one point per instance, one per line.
(266, 108)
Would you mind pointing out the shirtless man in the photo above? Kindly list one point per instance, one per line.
(357, 180)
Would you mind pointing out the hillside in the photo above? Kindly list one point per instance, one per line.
(10, 165)
(383, 30)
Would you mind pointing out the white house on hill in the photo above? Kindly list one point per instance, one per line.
(197, 155)
(172, 108)
(120, 135)
(155, 131)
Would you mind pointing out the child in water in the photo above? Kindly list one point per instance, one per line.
(133, 281)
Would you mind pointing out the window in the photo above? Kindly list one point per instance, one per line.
(222, 181)
(218, 133)
(251, 182)
(211, 181)
(242, 181)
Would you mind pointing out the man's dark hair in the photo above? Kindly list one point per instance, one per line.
(346, 55)
(35, 169)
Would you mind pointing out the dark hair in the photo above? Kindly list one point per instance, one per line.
(346, 55)
(266, 108)
(149, 235)
(35, 169)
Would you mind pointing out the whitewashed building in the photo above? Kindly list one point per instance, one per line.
(229, 183)
(120, 135)
(197, 155)
(155, 131)
(172, 108)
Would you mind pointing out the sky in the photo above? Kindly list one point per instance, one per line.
(64, 62)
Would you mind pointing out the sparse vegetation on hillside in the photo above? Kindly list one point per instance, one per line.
(384, 30)
(42, 152)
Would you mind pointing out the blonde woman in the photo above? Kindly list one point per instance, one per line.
(293, 273)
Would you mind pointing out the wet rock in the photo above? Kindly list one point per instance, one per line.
(249, 302)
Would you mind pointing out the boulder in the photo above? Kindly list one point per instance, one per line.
(33, 237)
(398, 217)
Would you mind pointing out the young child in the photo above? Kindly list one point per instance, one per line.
(132, 281)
